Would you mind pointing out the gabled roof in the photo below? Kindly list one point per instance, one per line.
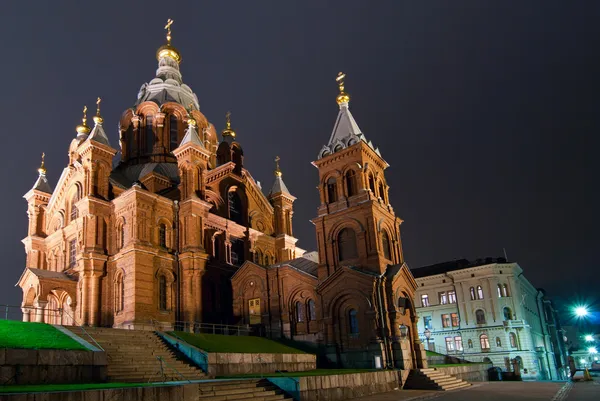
(279, 187)
(191, 136)
(99, 135)
(125, 175)
(307, 263)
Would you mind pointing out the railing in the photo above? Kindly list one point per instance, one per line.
(86, 333)
(34, 314)
(162, 364)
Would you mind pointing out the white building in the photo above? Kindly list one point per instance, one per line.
(485, 311)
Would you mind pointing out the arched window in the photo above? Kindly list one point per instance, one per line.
(119, 292)
(299, 311)
(331, 190)
(217, 247)
(381, 191)
(74, 212)
(480, 316)
(479, 292)
(173, 132)
(122, 235)
(162, 292)
(351, 182)
(469, 343)
(162, 235)
(507, 313)
(472, 291)
(484, 342)
(347, 244)
(385, 243)
(149, 134)
(312, 310)
(353, 321)
(513, 340)
(235, 207)
(372, 184)
(499, 291)
(505, 290)
(498, 342)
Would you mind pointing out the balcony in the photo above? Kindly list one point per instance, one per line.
(515, 324)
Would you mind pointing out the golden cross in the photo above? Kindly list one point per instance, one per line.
(43, 155)
(168, 28)
(340, 80)
(228, 119)
(277, 169)
(84, 119)
(98, 106)
(277, 162)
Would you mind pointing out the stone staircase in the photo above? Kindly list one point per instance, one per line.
(233, 390)
(135, 356)
(432, 379)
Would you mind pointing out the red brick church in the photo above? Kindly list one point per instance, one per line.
(179, 230)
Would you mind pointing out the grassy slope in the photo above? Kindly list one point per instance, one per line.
(241, 344)
(35, 388)
(316, 372)
(15, 334)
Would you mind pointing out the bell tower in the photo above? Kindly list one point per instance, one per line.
(356, 225)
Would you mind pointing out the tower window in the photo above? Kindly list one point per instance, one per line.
(237, 252)
(505, 290)
(353, 320)
(347, 245)
(235, 207)
(149, 134)
(332, 190)
(385, 243)
(381, 191)
(351, 182)
(173, 132)
(372, 183)
(119, 293)
(162, 235)
(162, 292)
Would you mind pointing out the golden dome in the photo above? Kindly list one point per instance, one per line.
(98, 118)
(343, 97)
(228, 131)
(42, 169)
(83, 128)
(168, 50)
(278, 172)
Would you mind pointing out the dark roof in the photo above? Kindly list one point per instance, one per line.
(307, 263)
(51, 275)
(453, 265)
(125, 175)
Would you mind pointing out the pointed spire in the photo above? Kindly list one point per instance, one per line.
(98, 133)
(191, 134)
(168, 50)
(228, 132)
(42, 184)
(278, 186)
(83, 129)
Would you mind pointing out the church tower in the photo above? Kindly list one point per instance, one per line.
(282, 201)
(363, 280)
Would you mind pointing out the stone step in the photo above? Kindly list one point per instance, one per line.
(239, 390)
(255, 396)
(208, 387)
(456, 386)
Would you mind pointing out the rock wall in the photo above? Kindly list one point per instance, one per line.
(225, 364)
(43, 366)
(343, 387)
(476, 372)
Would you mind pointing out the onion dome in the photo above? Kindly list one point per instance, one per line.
(83, 129)
(228, 132)
(343, 97)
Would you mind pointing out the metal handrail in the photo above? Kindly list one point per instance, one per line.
(86, 332)
(162, 371)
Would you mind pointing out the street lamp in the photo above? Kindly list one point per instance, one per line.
(592, 350)
(427, 336)
(589, 338)
(581, 311)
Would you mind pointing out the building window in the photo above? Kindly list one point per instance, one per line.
(162, 292)
(312, 310)
(505, 290)
(443, 298)
(498, 342)
(149, 134)
(513, 340)
(449, 344)
(452, 297)
(479, 292)
(427, 322)
(351, 182)
(347, 244)
(480, 316)
(385, 243)
(458, 343)
(472, 291)
(484, 342)
(381, 191)
(372, 184)
(424, 300)
(353, 319)
(235, 207)
(455, 320)
(121, 238)
(74, 212)
(469, 343)
(162, 235)
(254, 311)
(119, 293)
(499, 291)
(299, 312)
(173, 132)
(445, 320)
(331, 190)
(72, 253)
(237, 251)
(507, 313)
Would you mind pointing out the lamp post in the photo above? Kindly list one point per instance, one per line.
(427, 336)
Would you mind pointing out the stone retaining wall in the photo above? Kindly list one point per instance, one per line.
(343, 387)
(43, 366)
(476, 372)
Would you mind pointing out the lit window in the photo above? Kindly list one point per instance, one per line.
(425, 300)
(484, 342)
(254, 311)
(499, 291)
(480, 316)
(353, 321)
(449, 344)
(455, 320)
(458, 343)
(479, 292)
(445, 320)
(72, 253)
(452, 297)
(472, 291)
(427, 322)
(505, 290)
(443, 298)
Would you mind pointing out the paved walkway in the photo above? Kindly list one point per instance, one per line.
(502, 391)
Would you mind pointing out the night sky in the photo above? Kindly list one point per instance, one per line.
(487, 112)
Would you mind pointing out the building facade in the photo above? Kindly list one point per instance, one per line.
(179, 230)
(487, 311)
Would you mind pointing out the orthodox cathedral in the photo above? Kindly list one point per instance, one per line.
(179, 231)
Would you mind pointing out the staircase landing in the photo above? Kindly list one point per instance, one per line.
(433, 379)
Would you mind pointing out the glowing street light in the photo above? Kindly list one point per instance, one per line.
(589, 338)
(592, 350)
(581, 311)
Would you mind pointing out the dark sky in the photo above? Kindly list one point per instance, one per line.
(487, 112)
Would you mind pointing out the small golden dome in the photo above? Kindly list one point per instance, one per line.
(343, 97)
(228, 131)
(98, 118)
(278, 172)
(42, 169)
(83, 128)
(168, 50)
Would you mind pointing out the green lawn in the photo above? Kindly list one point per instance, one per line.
(316, 372)
(15, 334)
(241, 344)
(36, 388)
(432, 353)
(449, 365)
